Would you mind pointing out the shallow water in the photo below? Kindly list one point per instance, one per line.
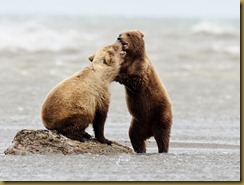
(178, 165)
(197, 60)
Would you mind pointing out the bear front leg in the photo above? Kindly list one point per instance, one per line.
(98, 125)
(133, 82)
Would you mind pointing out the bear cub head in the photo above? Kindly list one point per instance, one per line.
(108, 60)
(132, 42)
(109, 56)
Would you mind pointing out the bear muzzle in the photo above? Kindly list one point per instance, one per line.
(124, 44)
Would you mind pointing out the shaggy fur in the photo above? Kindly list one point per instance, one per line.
(147, 99)
(84, 97)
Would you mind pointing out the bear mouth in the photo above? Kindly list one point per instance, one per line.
(122, 54)
(124, 45)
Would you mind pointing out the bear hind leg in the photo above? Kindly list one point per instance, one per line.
(137, 138)
(162, 139)
(74, 128)
(86, 135)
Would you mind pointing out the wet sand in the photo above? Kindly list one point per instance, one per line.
(184, 162)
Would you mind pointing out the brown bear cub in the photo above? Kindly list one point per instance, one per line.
(147, 99)
(84, 97)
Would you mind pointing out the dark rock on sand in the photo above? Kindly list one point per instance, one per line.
(49, 142)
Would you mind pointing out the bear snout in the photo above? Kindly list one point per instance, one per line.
(124, 44)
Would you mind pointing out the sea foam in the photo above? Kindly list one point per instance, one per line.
(233, 50)
(33, 36)
(213, 29)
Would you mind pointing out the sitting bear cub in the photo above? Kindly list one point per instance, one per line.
(84, 97)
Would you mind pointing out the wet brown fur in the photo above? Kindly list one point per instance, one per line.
(84, 97)
(147, 99)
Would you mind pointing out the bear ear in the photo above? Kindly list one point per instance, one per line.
(108, 60)
(91, 57)
(142, 34)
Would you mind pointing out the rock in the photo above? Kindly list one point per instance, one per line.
(49, 142)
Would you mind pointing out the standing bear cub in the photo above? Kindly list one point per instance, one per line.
(147, 99)
(84, 97)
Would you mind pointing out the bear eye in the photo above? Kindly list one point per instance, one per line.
(128, 35)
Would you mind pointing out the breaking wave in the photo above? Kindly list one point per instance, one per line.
(33, 36)
(231, 50)
(214, 29)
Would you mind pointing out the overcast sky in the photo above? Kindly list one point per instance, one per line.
(165, 8)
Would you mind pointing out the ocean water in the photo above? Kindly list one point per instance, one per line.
(197, 60)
